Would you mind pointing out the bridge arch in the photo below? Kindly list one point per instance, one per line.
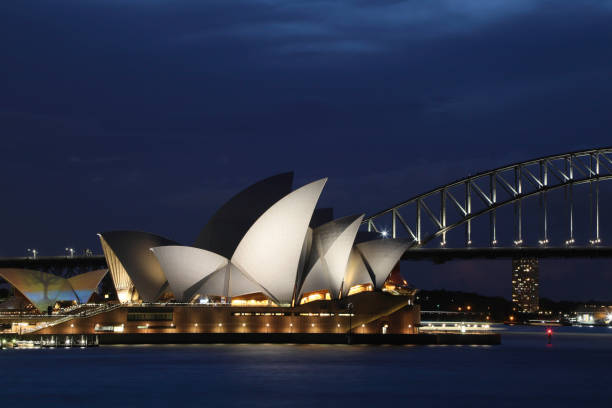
(535, 177)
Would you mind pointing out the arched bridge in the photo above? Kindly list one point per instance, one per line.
(429, 217)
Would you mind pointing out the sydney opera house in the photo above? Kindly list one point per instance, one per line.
(268, 261)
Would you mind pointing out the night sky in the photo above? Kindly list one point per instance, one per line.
(149, 114)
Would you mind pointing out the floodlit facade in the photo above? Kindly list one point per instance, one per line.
(44, 290)
(135, 271)
(260, 243)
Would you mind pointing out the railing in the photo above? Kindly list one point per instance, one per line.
(456, 327)
(102, 308)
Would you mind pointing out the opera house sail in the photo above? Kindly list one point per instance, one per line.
(135, 271)
(259, 242)
(44, 290)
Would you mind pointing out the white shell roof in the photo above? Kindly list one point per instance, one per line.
(269, 253)
(381, 256)
(132, 249)
(332, 243)
(227, 281)
(356, 272)
(45, 289)
(184, 266)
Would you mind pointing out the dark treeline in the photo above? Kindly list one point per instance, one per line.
(496, 307)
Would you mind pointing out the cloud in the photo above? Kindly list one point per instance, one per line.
(348, 26)
(95, 160)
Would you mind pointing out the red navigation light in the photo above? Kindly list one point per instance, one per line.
(549, 331)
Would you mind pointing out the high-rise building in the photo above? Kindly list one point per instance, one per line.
(525, 297)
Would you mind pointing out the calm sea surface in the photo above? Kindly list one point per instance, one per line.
(523, 372)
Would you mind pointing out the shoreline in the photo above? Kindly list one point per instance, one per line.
(278, 338)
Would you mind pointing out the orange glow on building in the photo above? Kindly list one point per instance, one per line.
(360, 288)
(253, 299)
(313, 296)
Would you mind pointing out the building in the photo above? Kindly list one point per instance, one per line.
(525, 285)
(594, 315)
(267, 261)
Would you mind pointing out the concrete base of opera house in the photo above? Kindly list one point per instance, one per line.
(369, 313)
(369, 317)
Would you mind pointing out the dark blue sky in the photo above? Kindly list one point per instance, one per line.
(149, 114)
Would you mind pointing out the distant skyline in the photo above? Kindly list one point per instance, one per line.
(148, 115)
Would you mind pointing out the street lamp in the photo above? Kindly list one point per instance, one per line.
(70, 252)
(33, 252)
(349, 307)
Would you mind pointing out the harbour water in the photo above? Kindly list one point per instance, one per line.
(524, 371)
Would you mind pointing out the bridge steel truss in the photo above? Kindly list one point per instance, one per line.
(506, 185)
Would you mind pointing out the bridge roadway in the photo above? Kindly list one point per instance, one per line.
(93, 261)
(437, 255)
(441, 255)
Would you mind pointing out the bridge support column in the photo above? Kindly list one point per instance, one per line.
(594, 212)
(468, 209)
(543, 203)
(518, 208)
(418, 222)
(492, 214)
(443, 215)
(597, 236)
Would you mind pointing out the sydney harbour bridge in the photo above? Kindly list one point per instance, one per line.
(481, 216)
(566, 190)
